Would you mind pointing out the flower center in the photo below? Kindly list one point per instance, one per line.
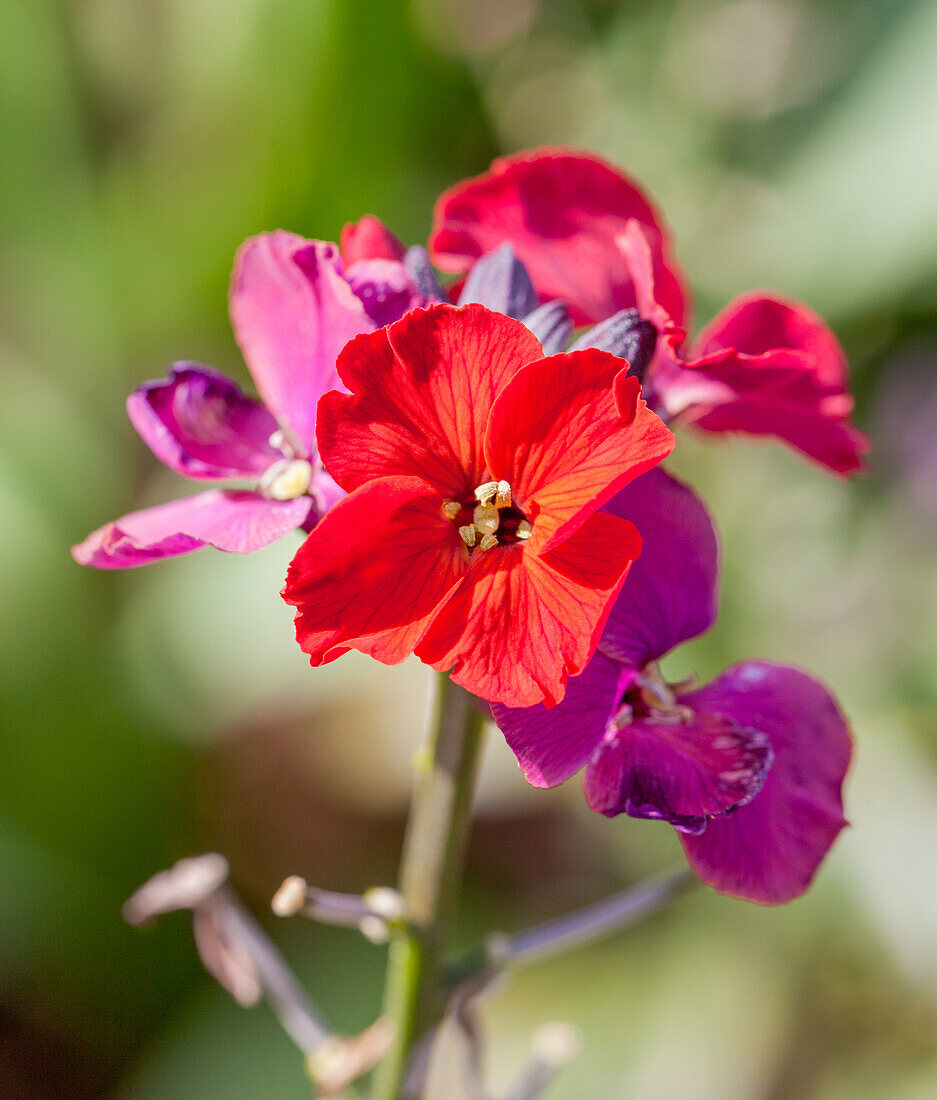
(651, 697)
(490, 519)
(286, 479)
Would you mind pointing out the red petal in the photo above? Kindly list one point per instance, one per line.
(421, 392)
(368, 239)
(373, 572)
(567, 436)
(520, 623)
(563, 212)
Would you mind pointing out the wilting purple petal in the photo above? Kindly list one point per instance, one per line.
(551, 745)
(200, 424)
(551, 324)
(770, 849)
(670, 594)
(293, 312)
(384, 288)
(235, 520)
(681, 771)
(500, 282)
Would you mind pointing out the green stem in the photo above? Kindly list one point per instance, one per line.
(430, 877)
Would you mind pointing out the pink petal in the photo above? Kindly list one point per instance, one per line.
(200, 424)
(770, 850)
(564, 213)
(237, 521)
(293, 312)
(369, 239)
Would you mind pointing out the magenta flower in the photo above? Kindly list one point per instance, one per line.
(294, 305)
(590, 237)
(748, 768)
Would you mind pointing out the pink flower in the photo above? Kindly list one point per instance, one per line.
(294, 306)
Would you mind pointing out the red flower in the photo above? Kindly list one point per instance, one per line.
(564, 212)
(470, 535)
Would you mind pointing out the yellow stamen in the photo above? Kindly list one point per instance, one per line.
(503, 497)
(487, 542)
(467, 535)
(486, 492)
(524, 529)
(451, 509)
(287, 479)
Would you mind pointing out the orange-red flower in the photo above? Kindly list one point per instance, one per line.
(471, 534)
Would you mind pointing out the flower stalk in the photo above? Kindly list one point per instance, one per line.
(430, 876)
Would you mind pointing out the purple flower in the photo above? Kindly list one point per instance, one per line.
(294, 306)
(748, 768)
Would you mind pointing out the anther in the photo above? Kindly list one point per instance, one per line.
(451, 509)
(467, 535)
(486, 519)
(287, 479)
(486, 492)
(524, 529)
(503, 496)
(487, 541)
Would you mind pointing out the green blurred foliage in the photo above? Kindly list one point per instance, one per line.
(156, 713)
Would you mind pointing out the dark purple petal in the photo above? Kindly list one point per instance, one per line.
(422, 275)
(200, 424)
(237, 521)
(770, 850)
(625, 335)
(384, 288)
(551, 745)
(671, 592)
(293, 312)
(683, 770)
(500, 282)
(551, 324)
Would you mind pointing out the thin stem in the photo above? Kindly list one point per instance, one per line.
(430, 877)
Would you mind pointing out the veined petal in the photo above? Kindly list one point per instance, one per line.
(233, 520)
(671, 592)
(770, 850)
(200, 424)
(293, 312)
(373, 572)
(567, 436)
(684, 772)
(553, 744)
(421, 391)
(520, 623)
(563, 212)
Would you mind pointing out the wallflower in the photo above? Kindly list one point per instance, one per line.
(765, 366)
(294, 305)
(475, 468)
(748, 768)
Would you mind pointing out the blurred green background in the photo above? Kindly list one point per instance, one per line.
(161, 712)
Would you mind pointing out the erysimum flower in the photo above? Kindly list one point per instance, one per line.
(587, 235)
(475, 468)
(294, 305)
(748, 768)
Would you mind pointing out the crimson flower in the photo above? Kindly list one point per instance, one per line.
(471, 534)
(747, 768)
(294, 305)
(587, 235)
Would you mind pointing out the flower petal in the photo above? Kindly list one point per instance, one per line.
(553, 744)
(500, 282)
(770, 850)
(369, 239)
(293, 312)
(683, 772)
(384, 288)
(768, 366)
(373, 572)
(567, 439)
(551, 324)
(233, 520)
(200, 424)
(671, 592)
(563, 212)
(520, 622)
(421, 392)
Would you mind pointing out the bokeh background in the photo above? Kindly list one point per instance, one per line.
(161, 712)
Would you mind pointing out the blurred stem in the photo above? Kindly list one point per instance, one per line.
(430, 876)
